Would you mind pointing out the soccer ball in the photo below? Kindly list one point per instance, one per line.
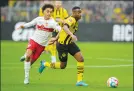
(112, 82)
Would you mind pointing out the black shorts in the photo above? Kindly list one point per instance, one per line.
(63, 50)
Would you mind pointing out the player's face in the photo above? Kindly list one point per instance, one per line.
(77, 13)
(48, 13)
(58, 4)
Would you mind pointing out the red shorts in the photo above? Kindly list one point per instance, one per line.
(36, 48)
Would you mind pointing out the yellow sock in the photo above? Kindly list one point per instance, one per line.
(47, 64)
(56, 65)
(80, 71)
(53, 65)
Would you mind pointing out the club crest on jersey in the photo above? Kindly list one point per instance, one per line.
(41, 27)
(70, 20)
(63, 54)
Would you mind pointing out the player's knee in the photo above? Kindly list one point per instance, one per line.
(81, 59)
(63, 65)
(27, 56)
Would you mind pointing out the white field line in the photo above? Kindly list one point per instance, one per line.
(74, 66)
(111, 59)
(89, 58)
(115, 59)
(17, 64)
(102, 66)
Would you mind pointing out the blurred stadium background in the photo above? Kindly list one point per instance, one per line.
(105, 37)
(93, 11)
(113, 19)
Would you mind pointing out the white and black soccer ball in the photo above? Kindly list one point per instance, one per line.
(112, 82)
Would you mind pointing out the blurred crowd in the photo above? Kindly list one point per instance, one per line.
(92, 11)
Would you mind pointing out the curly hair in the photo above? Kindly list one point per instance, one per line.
(47, 6)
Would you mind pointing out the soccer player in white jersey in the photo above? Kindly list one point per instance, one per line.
(44, 27)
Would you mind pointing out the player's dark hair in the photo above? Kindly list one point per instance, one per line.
(47, 6)
(76, 7)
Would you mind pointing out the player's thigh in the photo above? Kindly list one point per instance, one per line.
(29, 52)
(62, 52)
(30, 48)
(75, 52)
(73, 49)
(37, 52)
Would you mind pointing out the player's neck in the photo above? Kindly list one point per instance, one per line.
(46, 18)
(74, 18)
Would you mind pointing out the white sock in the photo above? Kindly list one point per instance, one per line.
(53, 59)
(27, 68)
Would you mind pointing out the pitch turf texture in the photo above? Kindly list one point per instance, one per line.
(102, 60)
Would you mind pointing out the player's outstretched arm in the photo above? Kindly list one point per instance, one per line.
(32, 23)
(29, 24)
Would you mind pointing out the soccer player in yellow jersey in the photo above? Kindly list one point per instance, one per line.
(59, 15)
(66, 44)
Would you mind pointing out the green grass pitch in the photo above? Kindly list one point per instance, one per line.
(102, 60)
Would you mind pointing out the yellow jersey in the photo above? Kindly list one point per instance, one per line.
(64, 38)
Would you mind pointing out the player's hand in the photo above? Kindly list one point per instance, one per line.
(74, 38)
(51, 41)
(21, 27)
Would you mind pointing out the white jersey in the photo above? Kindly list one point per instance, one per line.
(44, 29)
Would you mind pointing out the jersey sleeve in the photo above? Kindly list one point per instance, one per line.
(69, 21)
(65, 13)
(56, 26)
(32, 23)
(40, 12)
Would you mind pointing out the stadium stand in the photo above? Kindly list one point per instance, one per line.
(93, 11)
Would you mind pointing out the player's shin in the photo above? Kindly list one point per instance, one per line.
(80, 70)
